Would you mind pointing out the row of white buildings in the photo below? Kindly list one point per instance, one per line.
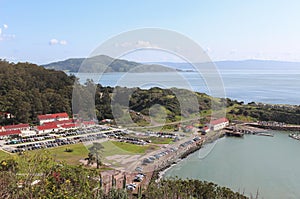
(47, 123)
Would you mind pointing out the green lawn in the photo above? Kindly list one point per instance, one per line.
(159, 140)
(59, 153)
(111, 149)
(79, 152)
(121, 148)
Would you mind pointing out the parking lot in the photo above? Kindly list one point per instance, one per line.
(58, 139)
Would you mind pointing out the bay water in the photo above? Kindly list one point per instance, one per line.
(274, 88)
(254, 164)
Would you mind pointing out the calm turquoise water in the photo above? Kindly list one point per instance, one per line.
(270, 165)
(275, 88)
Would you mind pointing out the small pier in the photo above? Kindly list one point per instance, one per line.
(241, 130)
(234, 133)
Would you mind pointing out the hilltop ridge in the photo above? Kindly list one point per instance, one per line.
(104, 63)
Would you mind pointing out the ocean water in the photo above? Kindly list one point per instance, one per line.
(275, 87)
(267, 165)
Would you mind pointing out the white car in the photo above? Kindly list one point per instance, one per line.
(131, 186)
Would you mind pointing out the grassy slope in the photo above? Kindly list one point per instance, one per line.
(239, 117)
(114, 147)
(79, 152)
(3, 155)
(158, 140)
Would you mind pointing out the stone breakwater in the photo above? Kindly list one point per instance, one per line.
(277, 128)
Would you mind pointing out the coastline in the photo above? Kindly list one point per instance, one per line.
(159, 173)
(260, 158)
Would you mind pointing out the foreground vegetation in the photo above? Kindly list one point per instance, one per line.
(4, 155)
(178, 188)
(40, 176)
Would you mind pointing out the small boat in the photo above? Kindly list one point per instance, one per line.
(294, 136)
(266, 134)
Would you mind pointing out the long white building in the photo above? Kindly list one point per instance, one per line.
(53, 117)
(218, 124)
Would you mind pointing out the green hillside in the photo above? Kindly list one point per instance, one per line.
(103, 63)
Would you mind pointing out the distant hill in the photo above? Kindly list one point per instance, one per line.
(240, 65)
(103, 63)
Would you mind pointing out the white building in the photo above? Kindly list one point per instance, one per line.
(53, 117)
(21, 127)
(219, 124)
(13, 130)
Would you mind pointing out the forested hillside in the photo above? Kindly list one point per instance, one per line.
(28, 90)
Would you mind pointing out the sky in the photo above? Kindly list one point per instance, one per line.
(45, 31)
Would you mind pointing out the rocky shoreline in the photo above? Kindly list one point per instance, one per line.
(158, 173)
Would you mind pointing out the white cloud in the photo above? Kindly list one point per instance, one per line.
(53, 42)
(137, 44)
(63, 42)
(5, 37)
(145, 44)
(57, 42)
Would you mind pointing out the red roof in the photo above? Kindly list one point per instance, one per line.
(59, 122)
(88, 122)
(219, 121)
(47, 127)
(205, 128)
(53, 116)
(16, 126)
(67, 126)
(12, 132)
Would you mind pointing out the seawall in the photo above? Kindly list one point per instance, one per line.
(277, 128)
